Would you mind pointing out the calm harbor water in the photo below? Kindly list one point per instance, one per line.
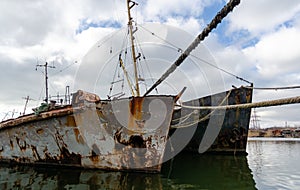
(270, 164)
(274, 162)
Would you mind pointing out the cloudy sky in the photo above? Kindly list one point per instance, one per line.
(259, 41)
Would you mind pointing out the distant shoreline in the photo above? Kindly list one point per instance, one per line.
(272, 139)
(275, 132)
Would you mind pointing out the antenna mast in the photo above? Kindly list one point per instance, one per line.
(130, 21)
(46, 77)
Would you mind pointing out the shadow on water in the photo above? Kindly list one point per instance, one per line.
(186, 171)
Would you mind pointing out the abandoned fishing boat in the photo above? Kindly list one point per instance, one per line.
(87, 134)
(116, 133)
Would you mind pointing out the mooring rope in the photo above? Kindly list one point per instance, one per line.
(183, 118)
(272, 88)
(184, 125)
(284, 101)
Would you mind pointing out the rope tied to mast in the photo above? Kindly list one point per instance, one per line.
(213, 24)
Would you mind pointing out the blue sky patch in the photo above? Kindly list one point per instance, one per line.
(85, 25)
(211, 11)
(286, 24)
(241, 38)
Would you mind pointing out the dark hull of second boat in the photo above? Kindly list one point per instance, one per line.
(233, 129)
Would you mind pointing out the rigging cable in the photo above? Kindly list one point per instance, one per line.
(204, 61)
(112, 83)
(146, 63)
(65, 68)
(211, 26)
(117, 66)
(140, 67)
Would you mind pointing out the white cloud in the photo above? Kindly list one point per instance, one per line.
(25, 24)
(191, 25)
(155, 10)
(263, 16)
(276, 53)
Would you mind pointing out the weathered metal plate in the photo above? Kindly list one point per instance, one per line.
(126, 134)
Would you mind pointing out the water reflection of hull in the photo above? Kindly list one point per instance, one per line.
(209, 172)
(185, 171)
(23, 177)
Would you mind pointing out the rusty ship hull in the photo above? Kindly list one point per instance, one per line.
(90, 134)
(220, 132)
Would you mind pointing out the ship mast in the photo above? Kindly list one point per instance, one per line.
(131, 4)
